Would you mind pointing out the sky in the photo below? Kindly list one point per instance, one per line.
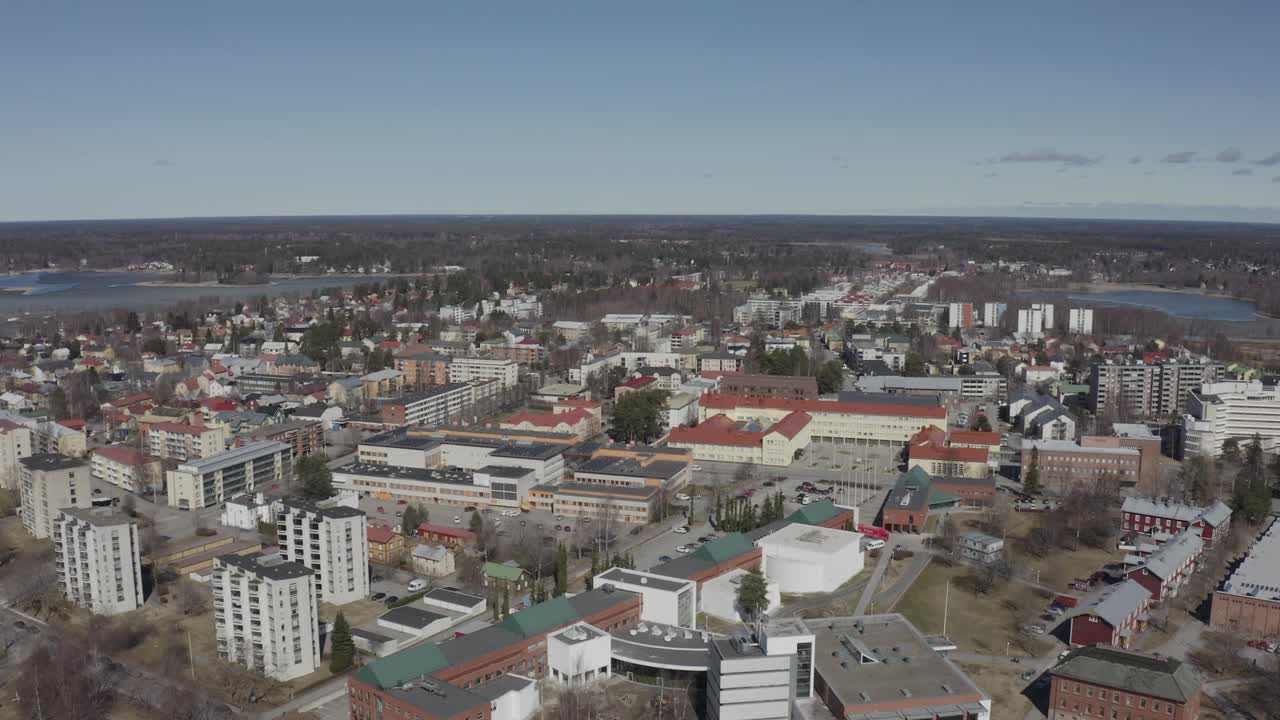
(1125, 109)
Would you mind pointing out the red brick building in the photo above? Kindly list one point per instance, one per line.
(1107, 682)
(445, 534)
(434, 681)
(421, 369)
(1249, 601)
(772, 386)
(304, 437)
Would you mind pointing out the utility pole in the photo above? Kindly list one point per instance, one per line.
(946, 605)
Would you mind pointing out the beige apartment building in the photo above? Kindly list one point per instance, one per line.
(50, 482)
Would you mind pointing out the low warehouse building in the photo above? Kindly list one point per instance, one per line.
(1249, 601)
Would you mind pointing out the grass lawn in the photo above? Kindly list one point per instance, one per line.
(1005, 688)
(987, 624)
(1059, 567)
(357, 613)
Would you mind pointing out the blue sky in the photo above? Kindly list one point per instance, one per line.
(179, 109)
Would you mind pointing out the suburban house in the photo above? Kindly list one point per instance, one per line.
(386, 546)
(1157, 516)
(433, 560)
(504, 576)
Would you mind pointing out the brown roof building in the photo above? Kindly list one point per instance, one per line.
(771, 386)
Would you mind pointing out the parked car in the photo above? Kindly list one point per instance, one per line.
(748, 492)
(702, 538)
(682, 497)
(695, 467)
(391, 600)
(1027, 675)
(97, 491)
(557, 528)
(457, 519)
(681, 529)
(664, 558)
(417, 585)
(875, 544)
(402, 501)
(469, 508)
(377, 596)
(767, 483)
(682, 549)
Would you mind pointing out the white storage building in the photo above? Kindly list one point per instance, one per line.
(807, 558)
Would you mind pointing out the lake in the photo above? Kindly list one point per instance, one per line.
(1184, 306)
(38, 293)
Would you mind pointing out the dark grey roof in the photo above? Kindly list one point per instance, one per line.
(443, 699)
(330, 511)
(1162, 677)
(410, 616)
(372, 636)
(580, 488)
(271, 567)
(473, 645)
(454, 598)
(854, 396)
(502, 685)
(630, 467)
(682, 567)
(505, 471)
(45, 462)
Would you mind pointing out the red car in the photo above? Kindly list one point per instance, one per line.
(381, 509)
(748, 493)
(402, 501)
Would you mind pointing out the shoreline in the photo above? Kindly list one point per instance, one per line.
(1092, 287)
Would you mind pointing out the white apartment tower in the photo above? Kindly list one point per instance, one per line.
(96, 553)
(1080, 321)
(332, 541)
(265, 615)
(15, 444)
(1030, 323)
(1046, 311)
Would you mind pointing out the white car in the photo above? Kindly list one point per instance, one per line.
(695, 467)
(875, 544)
(682, 549)
(457, 519)
(417, 585)
(681, 530)
(682, 497)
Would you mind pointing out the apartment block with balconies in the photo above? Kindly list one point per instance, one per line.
(331, 540)
(266, 615)
(97, 558)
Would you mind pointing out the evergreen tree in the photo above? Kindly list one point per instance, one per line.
(1251, 496)
(1230, 451)
(753, 593)
(562, 571)
(1031, 483)
(497, 609)
(316, 477)
(506, 602)
(595, 568)
(342, 649)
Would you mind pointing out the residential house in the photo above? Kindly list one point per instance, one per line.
(433, 560)
(386, 546)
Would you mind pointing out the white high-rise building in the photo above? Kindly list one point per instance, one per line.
(266, 615)
(1080, 320)
(1030, 323)
(96, 553)
(993, 313)
(1046, 311)
(330, 540)
(1231, 409)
